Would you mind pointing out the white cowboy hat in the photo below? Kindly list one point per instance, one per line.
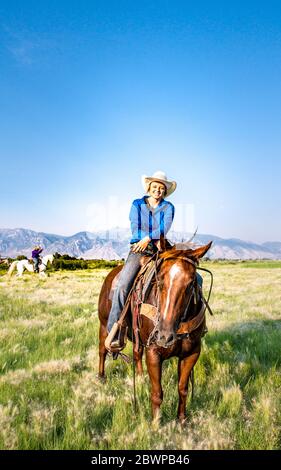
(161, 177)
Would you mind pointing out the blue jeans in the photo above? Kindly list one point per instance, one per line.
(36, 264)
(125, 282)
(199, 279)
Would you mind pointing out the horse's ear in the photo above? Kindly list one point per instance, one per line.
(201, 251)
(164, 244)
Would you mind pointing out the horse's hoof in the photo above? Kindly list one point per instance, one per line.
(155, 424)
(182, 420)
(101, 378)
(156, 420)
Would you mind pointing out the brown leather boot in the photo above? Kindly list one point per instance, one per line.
(117, 338)
(119, 341)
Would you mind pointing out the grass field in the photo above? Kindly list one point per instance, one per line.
(50, 397)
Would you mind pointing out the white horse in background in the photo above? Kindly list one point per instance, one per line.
(25, 264)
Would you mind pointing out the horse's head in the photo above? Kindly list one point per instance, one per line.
(177, 273)
(48, 259)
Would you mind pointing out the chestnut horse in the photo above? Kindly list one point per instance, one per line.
(176, 329)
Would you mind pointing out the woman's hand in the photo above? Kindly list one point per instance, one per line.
(141, 245)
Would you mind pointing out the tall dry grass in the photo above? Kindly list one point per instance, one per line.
(50, 397)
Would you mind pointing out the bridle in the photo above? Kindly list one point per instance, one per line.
(191, 289)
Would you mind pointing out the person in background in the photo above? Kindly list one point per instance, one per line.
(36, 257)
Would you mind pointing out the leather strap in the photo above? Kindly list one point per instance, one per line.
(193, 324)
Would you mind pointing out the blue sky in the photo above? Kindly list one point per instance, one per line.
(93, 94)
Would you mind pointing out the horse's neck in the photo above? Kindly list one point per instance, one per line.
(47, 259)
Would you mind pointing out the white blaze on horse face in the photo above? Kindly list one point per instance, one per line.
(173, 272)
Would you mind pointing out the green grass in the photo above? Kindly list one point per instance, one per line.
(50, 397)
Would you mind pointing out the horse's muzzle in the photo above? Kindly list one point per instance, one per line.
(165, 340)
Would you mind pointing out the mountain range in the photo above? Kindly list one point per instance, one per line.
(114, 244)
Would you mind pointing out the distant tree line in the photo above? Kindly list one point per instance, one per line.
(67, 262)
(71, 263)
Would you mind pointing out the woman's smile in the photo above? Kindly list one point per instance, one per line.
(157, 189)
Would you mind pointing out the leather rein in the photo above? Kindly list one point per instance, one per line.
(186, 326)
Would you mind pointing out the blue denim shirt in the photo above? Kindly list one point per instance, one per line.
(146, 221)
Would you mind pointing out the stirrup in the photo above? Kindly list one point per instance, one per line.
(115, 344)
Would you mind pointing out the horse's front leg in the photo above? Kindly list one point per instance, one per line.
(138, 360)
(154, 367)
(185, 366)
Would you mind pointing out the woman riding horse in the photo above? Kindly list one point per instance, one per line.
(150, 217)
(36, 257)
(169, 319)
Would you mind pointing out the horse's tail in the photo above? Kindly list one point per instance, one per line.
(12, 268)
